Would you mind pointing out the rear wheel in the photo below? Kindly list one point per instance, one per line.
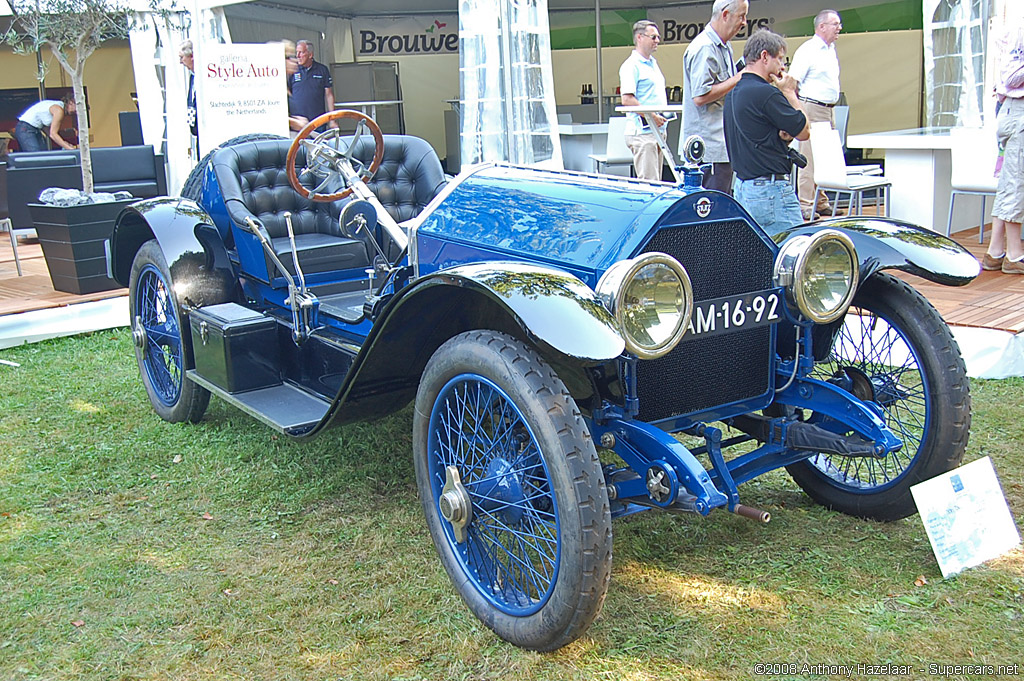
(512, 490)
(162, 349)
(896, 351)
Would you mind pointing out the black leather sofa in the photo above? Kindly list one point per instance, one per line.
(135, 169)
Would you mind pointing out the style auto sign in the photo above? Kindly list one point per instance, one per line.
(407, 35)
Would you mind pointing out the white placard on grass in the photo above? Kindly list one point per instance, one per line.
(966, 517)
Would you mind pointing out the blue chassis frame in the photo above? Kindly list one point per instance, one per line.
(694, 488)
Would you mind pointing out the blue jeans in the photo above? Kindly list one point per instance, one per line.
(30, 138)
(772, 203)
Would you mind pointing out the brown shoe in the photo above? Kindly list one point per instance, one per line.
(991, 264)
(1013, 266)
(824, 210)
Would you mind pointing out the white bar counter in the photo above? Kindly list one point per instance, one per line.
(579, 140)
(918, 164)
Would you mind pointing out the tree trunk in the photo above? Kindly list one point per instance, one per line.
(83, 131)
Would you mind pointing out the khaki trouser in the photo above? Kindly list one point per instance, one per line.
(646, 155)
(805, 179)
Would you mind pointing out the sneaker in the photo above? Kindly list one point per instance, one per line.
(1013, 266)
(991, 264)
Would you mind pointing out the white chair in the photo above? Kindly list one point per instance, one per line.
(842, 116)
(974, 153)
(616, 152)
(830, 173)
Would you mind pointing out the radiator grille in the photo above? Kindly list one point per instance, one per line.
(722, 259)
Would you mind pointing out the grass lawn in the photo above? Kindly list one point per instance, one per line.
(131, 548)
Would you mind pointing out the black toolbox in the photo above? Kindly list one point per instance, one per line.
(235, 348)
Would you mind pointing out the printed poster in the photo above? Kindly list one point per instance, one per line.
(966, 517)
(243, 91)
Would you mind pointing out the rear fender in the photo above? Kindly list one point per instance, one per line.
(553, 311)
(884, 244)
(192, 248)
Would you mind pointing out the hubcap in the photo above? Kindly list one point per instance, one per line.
(139, 334)
(454, 504)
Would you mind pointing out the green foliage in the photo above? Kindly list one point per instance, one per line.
(65, 26)
(72, 30)
(131, 548)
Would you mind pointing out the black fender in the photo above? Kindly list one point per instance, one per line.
(883, 243)
(198, 262)
(550, 309)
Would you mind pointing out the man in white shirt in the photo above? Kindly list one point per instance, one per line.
(816, 67)
(642, 83)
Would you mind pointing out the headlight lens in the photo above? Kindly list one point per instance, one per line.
(819, 273)
(651, 299)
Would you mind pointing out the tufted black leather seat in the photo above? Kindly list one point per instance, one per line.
(254, 183)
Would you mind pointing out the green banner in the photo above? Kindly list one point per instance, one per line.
(681, 24)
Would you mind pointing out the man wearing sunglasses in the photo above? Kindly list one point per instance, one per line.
(641, 83)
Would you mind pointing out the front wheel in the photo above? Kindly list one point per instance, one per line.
(161, 346)
(512, 490)
(896, 351)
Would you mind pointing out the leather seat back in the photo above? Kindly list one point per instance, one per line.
(253, 181)
(409, 177)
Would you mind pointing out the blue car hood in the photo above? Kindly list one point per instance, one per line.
(582, 223)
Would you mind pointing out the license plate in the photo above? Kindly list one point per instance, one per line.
(734, 313)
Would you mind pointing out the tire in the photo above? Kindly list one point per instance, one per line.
(535, 562)
(193, 187)
(162, 350)
(918, 378)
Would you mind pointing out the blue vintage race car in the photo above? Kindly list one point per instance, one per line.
(555, 330)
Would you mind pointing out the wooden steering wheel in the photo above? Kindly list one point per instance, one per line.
(325, 158)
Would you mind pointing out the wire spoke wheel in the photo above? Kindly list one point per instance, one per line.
(512, 490)
(162, 354)
(511, 549)
(880, 352)
(895, 352)
(162, 348)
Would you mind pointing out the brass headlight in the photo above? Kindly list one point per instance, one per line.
(819, 272)
(651, 298)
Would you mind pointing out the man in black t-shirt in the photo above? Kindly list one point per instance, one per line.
(310, 86)
(762, 116)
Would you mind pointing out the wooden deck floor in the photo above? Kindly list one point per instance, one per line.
(993, 300)
(34, 290)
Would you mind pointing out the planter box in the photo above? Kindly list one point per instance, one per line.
(73, 240)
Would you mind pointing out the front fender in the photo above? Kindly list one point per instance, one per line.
(551, 305)
(548, 308)
(196, 258)
(883, 243)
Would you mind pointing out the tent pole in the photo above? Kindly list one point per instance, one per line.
(599, 86)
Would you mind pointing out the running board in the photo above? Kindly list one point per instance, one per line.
(284, 407)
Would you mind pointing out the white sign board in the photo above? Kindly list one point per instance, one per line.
(966, 517)
(243, 91)
(419, 34)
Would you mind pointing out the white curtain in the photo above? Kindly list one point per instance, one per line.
(161, 83)
(955, 36)
(508, 100)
